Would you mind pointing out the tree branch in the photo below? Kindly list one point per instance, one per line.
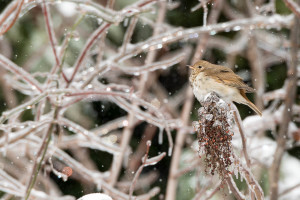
(287, 112)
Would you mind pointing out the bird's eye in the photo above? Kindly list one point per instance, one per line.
(199, 67)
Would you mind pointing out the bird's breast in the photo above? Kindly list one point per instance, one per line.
(203, 84)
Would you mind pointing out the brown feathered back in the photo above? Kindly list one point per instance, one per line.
(222, 74)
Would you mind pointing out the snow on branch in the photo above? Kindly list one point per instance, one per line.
(87, 90)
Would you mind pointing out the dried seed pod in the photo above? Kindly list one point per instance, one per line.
(215, 135)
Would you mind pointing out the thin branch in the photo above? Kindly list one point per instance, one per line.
(24, 75)
(187, 169)
(293, 6)
(110, 4)
(137, 70)
(145, 162)
(238, 121)
(86, 48)
(22, 107)
(287, 112)
(8, 11)
(91, 137)
(17, 13)
(127, 132)
(192, 33)
(257, 189)
(211, 194)
(237, 194)
(217, 188)
(52, 39)
(253, 185)
(289, 190)
(129, 32)
(258, 71)
(102, 12)
(34, 127)
(40, 157)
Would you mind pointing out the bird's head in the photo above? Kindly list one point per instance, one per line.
(200, 66)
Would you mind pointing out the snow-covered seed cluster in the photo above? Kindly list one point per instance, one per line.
(215, 135)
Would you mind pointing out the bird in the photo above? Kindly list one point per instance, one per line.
(206, 78)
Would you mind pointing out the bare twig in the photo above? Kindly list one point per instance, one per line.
(8, 11)
(40, 157)
(52, 40)
(287, 112)
(238, 120)
(232, 186)
(295, 8)
(145, 162)
(87, 47)
(12, 22)
(129, 33)
(289, 190)
(129, 129)
(10, 66)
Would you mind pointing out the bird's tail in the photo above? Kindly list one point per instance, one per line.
(253, 107)
(250, 104)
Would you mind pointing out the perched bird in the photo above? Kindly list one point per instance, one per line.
(206, 78)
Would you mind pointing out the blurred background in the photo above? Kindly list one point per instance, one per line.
(253, 38)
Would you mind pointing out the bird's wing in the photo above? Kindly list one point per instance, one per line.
(228, 77)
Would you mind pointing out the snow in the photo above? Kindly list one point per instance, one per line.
(67, 9)
(290, 176)
(95, 196)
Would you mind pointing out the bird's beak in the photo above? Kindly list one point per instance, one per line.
(190, 66)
